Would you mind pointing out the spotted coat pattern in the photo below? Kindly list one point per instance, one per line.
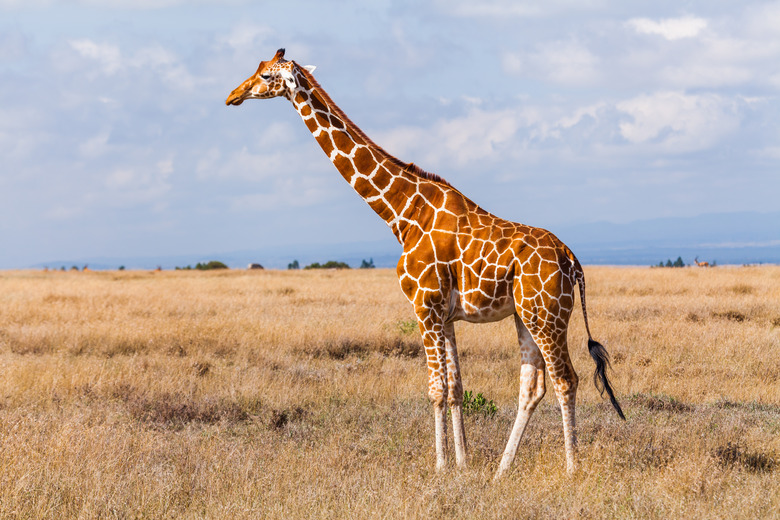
(459, 262)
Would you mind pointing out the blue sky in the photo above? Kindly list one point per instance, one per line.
(116, 140)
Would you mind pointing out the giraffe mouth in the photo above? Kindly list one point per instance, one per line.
(236, 97)
(234, 100)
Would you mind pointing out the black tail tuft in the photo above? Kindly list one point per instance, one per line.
(600, 356)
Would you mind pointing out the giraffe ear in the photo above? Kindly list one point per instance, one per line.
(288, 78)
(310, 68)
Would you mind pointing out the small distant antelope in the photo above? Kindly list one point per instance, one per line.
(701, 264)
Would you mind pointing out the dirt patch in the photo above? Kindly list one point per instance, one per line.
(662, 403)
(175, 410)
(731, 316)
(738, 455)
(342, 348)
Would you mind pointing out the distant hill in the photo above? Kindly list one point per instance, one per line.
(727, 238)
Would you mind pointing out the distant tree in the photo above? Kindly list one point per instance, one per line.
(121, 268)
(679, 262)
(213, 264)
(294, 265)
(367, 265)
(669, 264)
(74, 268)
(330, 264)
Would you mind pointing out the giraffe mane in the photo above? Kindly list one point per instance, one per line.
(410, 168)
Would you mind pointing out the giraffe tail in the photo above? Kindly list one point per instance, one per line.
(596, 349)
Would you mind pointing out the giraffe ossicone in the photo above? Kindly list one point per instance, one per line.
(459, 262)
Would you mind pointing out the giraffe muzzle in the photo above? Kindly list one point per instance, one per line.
(235, 98)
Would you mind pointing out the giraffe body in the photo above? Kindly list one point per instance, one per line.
(459, 262)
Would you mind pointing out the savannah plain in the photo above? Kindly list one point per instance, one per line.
(301, 394)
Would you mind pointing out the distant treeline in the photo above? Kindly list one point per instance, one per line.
(677, 263)
(214, 264)
(332, 264)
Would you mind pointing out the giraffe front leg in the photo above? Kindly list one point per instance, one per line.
(455, 394)
(433, 341)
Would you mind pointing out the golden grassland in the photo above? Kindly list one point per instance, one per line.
(301, 394)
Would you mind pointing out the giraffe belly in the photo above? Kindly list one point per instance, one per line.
(476, 308)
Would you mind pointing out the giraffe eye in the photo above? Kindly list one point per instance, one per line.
(265, 76)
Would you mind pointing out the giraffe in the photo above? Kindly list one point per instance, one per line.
(459, 262)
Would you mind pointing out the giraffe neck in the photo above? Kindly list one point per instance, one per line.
(384, 182)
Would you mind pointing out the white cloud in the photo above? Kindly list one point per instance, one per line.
(95, 146)
(293, 191)
(457, 141)
(62, 212)
(562, 62)
(107, 55)
(247, 36)
(514, 8)
(115, 4)
(670, 28)
(155, 58)
(678, 122)
(130, 186)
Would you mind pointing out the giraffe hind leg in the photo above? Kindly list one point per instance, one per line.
(532, 390)
(552, 343)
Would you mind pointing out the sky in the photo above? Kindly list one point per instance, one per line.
(116, 141)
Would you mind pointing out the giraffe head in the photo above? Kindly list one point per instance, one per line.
(273, 78)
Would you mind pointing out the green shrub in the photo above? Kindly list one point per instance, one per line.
(213, 264)
(478, 405)
(330, 264)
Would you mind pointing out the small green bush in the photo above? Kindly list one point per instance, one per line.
(478, 405)
(407, 326)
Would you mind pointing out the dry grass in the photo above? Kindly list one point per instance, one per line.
(302, 395)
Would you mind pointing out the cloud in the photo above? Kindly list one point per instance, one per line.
(151, 5)
(95, 146)
(298, 191)
(155, 58)
(246, 36)
(670, 28)
(664, 123)
(458, 141)
(514, 8)
(562, 62)
(108, 56)
(678, 122)
(131, 186)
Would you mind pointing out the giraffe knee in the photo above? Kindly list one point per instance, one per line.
(567, 384)
(532, 386)
(455, 394)
(541, 387)
(437, 395)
